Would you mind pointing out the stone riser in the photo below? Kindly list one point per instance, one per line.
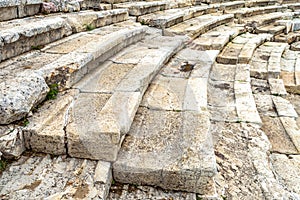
(13, 12)
(260, 3)
(26, 44)
(194, 31)
(258, 12)
(142, 8)
(37, 35)
(173, 115)
(69, 139)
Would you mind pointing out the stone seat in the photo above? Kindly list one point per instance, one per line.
(288, 38)
(92, 120)
(170, 17)
(265, 19)
(169, 143)
(18, 8)
(241, 49)
(215, 1)
(198, 25)
(217, 38)
(257, 3)
(272, 29)
(293, 6)
(62, 63)
(142, 7)
(22, 35)
(248, 12)
(290, 70)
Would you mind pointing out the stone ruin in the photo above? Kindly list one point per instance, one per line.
(172, 99)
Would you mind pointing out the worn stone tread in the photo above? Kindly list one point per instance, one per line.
(22, 35)
(106, 91)
(45, 177)
(248, 12)
(149, 154)
(170, 17)
(142, 7)
(198, 25)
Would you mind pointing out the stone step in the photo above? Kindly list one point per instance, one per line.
(198, 25)
(223, 6)
(60, 65)
(230, 96)
(294, 6)
(295, 46)
(115, 89)
(241, 48)
(22, 35)
(170, 17)
(282, 162)
(260, 3)
(167, 18)
(169, 144)
(266, 61)
(279, 114)
(289, 1)
(18, 8)
(277, 87)
(248, 12)
(265, 19)
(288, 38)
(142, 7)
(290, 70)
(215, 1)
(272, 29)
(217, 38)
(52, 177)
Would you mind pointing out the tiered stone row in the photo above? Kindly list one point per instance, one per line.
(169, 144)
(278, 114)
(150, 112)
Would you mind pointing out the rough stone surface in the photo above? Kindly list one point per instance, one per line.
(169, 150)
(46, 177)
(20, 94)
(11, 141)
(46, 129)
(287, 169)
(242, 152)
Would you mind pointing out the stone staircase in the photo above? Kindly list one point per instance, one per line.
(152, 96)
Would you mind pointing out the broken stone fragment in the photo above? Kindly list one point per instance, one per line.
(19, 94)
(49, 7)
(11, 141)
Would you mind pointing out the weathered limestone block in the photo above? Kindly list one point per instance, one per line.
(222, 72)
(279, 139)
(165, 93)
(284, 107)
(29, 7)
(288, 170)
(92, 19)
(46, 129)
(22, 36)
(99, 134)
(56, 177)
(292, 130)
(277, 87)
(20, 94)
(172, 150)
(142, 7)
(245, 103)
(295, 46)
(11, 141)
